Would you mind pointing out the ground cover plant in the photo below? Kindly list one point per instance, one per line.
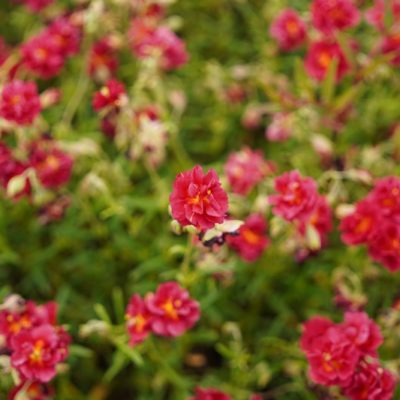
(199, 200)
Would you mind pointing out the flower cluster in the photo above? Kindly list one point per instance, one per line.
(345, 355)
(34, 340)
(375, 222)
(168, 312)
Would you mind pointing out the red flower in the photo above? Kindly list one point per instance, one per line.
(359, 226)
(296, 196)
(65, 35)
(384, 246)
(386, 196)
(331, 15)
(20, 102)
(36, 352)
(198, 199)
(363, 332)
(31, 391)
(4, 51)
(370, 382)
(103, 61)
(147, 40)
(138, 320)
(37, 5)
(53, 167)
(391, 46)
(288, 29)
(313, 330)
(245, 169)
(108, 125)
(252, 239)
(320, 56)
(209, 394)
(41, 55)
(109, 95)
(173, 311)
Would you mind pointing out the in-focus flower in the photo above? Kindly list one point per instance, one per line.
(289, 30)
(331, 15)
(103, 60)
(110, 95)
(198, 199)
(280, 128)
(245, 169)
(209, 394)
(36, 352)
(173, 311)
(147, 40)
(138, 320)
(20, 102)
(252, 239)
(296, 196)
(321, 55)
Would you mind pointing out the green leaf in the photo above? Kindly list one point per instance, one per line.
(329, 83)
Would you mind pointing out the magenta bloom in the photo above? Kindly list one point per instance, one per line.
(245, 169)
(252, 239)
(36, 352)
(20, 102)
(209, 394)
(331, 15)
(289, 30)
(370, 382)
(376, 14)
(103, 60)
(109, 95)
(386, 196)
(53, 166)
(314, 329)
(65, 35)
(296, 196)
(391, 46)
(280, 128)
(173, 311)
(320, 56)
(41, 55)
(359, 226)
(138, 320)
(147, 40)
(198, 199)
(36, 5)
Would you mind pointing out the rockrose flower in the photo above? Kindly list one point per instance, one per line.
(41, 55)
(391, 46)
(65, 35)
(198, 199)
(359, 226)
(376, 14)
(147, 40)
(110, 95)
(209, 394)
(296, 196)
(384, 245)
(36, 5)
(331, 15)
(245, 169)
(103, 60)
(36, 352)
(320, 56)
(313, 330)
(280, 128)
(252, 239)
(289, 30)
(138, 320)
(173, 311)
(370, 382)
(386, 196)
(20, 102)
(31, 391)
(52, 166)
(363, 332)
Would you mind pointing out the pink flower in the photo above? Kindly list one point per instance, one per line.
(109, 95)
(103, 60)
(41, 55)
(65, 35)
(173, 311)
(359, 226)
(252, 239)
(37, 5)
(198, 199)
(36, 352)
(52, 166)
(245, 169)
(376, 14)
(296, 196)
(386, 196)
(20, 102)
(331, 15)
(209, 394)
(288, 29)
(320, 56)
(391, 46)
(363, 332)
(370, 382)
(313, 330)
(147, 40)
(280, 128)
(138, 320)
(31, 391)
(384, 245)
